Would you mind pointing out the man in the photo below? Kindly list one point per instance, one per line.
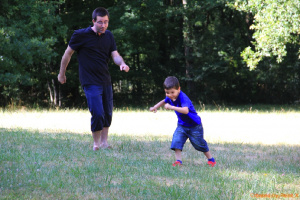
(94, 46)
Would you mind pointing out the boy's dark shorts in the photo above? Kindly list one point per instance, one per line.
(195, 135)
(100, 103)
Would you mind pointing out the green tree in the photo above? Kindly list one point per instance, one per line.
(29, 31)
(200, 42)
(149, 36)
(213, 35)
(276, 24)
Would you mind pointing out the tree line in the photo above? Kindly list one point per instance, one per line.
(231, 52)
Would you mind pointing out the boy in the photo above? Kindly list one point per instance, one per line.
(189, 123)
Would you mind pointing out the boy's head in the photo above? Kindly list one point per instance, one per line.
(172, 87)
(171, 82)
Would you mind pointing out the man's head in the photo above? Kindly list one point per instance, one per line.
(172, 87)
(101, 12)
(100, 20)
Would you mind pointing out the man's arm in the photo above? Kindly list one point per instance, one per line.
(118, 60)
(63, 65)
(159, 104)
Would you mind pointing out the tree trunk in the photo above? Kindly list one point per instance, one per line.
(53, 87)
(56, 92)
(50, 92)
(187, 52)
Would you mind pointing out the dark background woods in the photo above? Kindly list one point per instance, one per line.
(199, 42)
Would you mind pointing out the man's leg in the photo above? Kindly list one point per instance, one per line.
(96, 136)
(108, 109)
(93, 94)
(103, 138)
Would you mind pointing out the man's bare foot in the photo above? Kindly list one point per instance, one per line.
(96, 147)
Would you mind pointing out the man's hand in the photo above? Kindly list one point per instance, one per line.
(62, 78)
(124, 67)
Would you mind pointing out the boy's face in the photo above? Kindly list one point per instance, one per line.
(172, 93)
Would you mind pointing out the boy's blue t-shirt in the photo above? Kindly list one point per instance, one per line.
(93, 53)
(190, 119)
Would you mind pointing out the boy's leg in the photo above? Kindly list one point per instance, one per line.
(196, 138)
(211, 161)
(178, 158)
(199, 143)
(178, 154)
(178, 141)
(208, 155)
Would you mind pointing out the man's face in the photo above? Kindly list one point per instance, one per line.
(172, 93)
(101, 24)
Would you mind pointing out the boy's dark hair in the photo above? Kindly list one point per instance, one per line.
(100, 12)
(171, 82)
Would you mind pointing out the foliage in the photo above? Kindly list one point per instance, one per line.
(200, 43)
(147, 35)
(30, 29)
(276, 24)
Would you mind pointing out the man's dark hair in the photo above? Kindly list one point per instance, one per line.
(100, 12)
(171, 82)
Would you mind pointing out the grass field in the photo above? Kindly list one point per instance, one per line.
(48, 155)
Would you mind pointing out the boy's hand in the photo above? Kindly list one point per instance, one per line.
(153, 109)
(168, 106)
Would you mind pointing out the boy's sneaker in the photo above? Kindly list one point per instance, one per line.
(211, 163)
(177, 163)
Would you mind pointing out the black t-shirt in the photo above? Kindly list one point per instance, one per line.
(93, 53)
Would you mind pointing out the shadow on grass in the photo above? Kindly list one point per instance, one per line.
(49, 162)
(233, 155)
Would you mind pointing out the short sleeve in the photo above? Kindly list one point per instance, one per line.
(168, 100)
(184, 101)
(113, 43)
(76, 40)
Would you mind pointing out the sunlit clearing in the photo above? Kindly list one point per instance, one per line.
(264, 128)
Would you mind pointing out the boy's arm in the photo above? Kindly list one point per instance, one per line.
(183, 110)
(159, 104)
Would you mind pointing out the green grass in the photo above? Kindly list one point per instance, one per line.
(257, 108)
(47, 162)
